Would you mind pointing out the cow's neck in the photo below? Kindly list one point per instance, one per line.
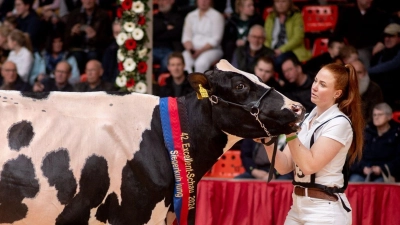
(209, 142)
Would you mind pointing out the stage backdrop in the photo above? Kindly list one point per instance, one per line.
(248, 202)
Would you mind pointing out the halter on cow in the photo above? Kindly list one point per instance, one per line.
(93, 158)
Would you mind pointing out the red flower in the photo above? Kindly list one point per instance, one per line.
(130, 83)
(120, 66)
(142, 67)
(130, 44)
(127, 4)
(142, 20)
(119, 13)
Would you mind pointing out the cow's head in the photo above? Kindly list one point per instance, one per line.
(242, 104)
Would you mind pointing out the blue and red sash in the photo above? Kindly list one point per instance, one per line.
(175, 125)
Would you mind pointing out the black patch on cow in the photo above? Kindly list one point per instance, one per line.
(118, 93)
(56, 168)
(146, 180)
(17, 181)
(94, 184)
(109, 210)
(36, 95)
(20, 135)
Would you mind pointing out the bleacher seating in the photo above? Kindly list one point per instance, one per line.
(319, 18)
(320, 46)
(228, 166)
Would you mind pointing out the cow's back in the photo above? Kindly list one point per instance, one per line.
(90, 135)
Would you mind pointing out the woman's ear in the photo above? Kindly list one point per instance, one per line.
(338, 94)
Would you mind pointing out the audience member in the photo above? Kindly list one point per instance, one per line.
(177, 84)
(67, 6)
(237, 27)
(347, 54)
(44, 7)
(298, 85)
(371, 93)
(20, 54)
(313, 65)
(264, 69)
(88, 32)
(385, 66)
(255, 160)
(284, 29)
(110, 62)
(381, 147)
(201, 38)
(10, 22)
(245, 57)
(59, 82)
(167, 32)
(225, 7)
(28, 22)
(361, 25)
(54, 53)
(4, 49)
(11, 80)
(94, 71)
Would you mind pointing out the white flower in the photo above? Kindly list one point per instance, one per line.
(137, 34)
(141, 87)
(121, 38)
(142, 53)
(129, 26)
(120, 56)
(129, 65)
(138, 7)
(121, 81)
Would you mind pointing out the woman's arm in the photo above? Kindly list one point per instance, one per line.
(283, 159)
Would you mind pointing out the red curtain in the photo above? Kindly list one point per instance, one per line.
(245, 202)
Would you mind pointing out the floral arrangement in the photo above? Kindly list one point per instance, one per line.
(132, 52)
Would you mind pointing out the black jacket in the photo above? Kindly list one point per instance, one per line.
(380, 150)
(242, 59)
(168, 89)
(162, 37)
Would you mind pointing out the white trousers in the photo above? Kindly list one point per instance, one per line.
(313, 211)
(203, 61)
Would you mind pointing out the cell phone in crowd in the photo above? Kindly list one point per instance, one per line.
(83, 27)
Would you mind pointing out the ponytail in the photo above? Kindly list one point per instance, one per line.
(350, 104)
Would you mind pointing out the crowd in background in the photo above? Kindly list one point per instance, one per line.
(69, 45)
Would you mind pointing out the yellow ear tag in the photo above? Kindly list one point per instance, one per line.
(203, 92)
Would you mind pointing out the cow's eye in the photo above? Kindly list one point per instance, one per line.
(239, 86)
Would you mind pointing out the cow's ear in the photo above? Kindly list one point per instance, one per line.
(200, 84)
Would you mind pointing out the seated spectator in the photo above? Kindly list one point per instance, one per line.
(4, 49)
(87, 32)
(385, 66)
(298, 85)
(371, 93)
(10, 22)
(361, 25)
(238, 26)
(201, 38)
(347, 54)
(110, 62)
(67, 6)
(59, 82)
(94, 71)
(167, 33)
(381, 146)
(11, 80)
(255, 160)
(177, 84)
(54, 53)
(28, 22)
(46, 8)
(284, 30)
(21, 53)
(264, 69)
(245, 57)
(313, 65)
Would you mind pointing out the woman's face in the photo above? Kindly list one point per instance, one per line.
(323, 92)
(247, 8)
(282, 6)
(11, 43)
(57, 45)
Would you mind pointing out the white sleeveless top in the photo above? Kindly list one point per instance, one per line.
(338, 129)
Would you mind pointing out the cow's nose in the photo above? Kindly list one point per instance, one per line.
(298, 109)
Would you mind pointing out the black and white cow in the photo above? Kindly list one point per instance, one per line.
(98, 158)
